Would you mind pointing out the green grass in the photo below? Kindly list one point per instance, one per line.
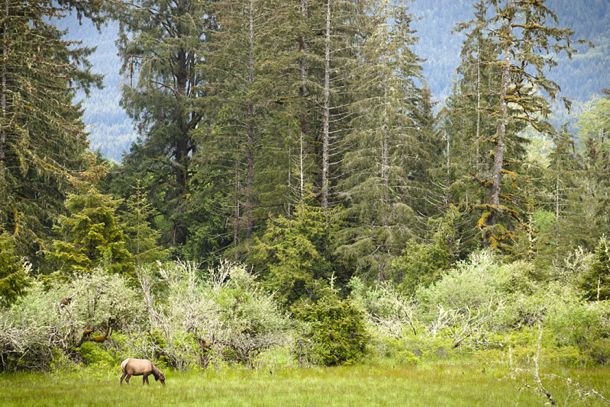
(433, 384)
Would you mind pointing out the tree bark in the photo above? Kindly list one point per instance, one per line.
(326, 117)
(478, 135)
(498, 167)
(251, 132)
(237, 206)
(3, 97)
(182, 147)
(303, 94)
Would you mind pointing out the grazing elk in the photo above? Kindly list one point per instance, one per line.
(140, 367)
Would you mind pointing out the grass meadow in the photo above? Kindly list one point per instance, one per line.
(436, 384)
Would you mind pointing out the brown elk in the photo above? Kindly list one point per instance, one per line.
(140, 367)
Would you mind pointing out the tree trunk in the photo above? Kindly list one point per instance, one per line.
(303, 94)
(557, 196)
(237, 206)
(498, 167)
(3, 97)
(326, 117)
(251, 133)
(181, 154)
(478, 135)
(385, 155)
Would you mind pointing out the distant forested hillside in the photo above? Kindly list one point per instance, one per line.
(111, 132)
(579, 78)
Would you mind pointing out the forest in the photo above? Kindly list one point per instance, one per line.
(297, 199)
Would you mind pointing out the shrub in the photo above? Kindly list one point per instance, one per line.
(92, 353)
(388, 311)
(64, 317)
(224, 312)
(465, 301)
(482, 296)
(595, 282)
(335, 329)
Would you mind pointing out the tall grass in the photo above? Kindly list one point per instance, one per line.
(434, 384)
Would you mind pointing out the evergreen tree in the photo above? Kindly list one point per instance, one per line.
(596, 281)
(142, 239)
(583, 216)
(525, 36)
(423, 261)
(91, 235)
(293, 253)
(162, 45)
(42, 136)
(468, 127)
(464, 134)
(237, 102)
(382, 144)
(13, 276)
(564, 165)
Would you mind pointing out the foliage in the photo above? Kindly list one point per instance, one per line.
(64, 316)
(386, 132)
(91, 235)
(141, 238)
(223, 313)
(335, 329)
(388, 311)
(595, 282)
(164, 64)
(94, 354)
(14, 277)
(43, 144)
(314, 118)
(293, 253)
(422, 263)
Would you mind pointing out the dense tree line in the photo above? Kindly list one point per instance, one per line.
(298, 137)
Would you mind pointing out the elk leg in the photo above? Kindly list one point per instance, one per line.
(127, 378)
(145, 379)
(122, 377)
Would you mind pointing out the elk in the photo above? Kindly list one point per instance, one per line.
(140, 367)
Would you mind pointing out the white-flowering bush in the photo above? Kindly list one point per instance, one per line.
(63, 317)
(389, 312)
(196, 316)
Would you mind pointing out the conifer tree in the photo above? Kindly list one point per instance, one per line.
(42, 136)
(467, 126)
(564, 165)
(162, 46)
(91, 235)
(583, 215)
(236, 102)
(382, 143)
(596, 281)
(293, 253)
(526, 36)
(13, 276)
(141, 238)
